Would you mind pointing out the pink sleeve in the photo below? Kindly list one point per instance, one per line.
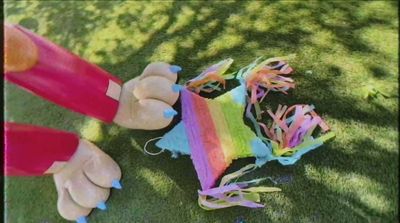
(30, 150)
(69, 81)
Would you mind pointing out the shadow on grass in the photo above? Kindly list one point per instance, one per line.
(355, 205)
(71, 24)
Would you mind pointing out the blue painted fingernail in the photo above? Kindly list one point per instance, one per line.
(175, 68)
(81, 220)
(169, 113)
(116, 184)
(102, 206)
(177, 87)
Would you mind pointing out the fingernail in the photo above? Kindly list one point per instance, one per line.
(81, 220)
(175, 68)
(177, 87)
(102, 206)
(116, 184)
(169, 113)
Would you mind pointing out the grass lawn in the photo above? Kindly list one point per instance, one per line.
(343, 49)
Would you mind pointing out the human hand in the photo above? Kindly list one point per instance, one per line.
(84, 182)
(146, 101)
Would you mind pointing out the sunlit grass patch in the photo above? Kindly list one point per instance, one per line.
(342, 48)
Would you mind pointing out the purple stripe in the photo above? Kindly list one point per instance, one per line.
(192, 128)
(220, 190)
(308, 125)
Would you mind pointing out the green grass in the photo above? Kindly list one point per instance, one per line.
(342, 48)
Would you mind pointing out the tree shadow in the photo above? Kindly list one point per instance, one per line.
(379, 72)
(352, 204)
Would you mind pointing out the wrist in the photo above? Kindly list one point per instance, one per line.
(80, 156)
(114, 90)
(126, 100)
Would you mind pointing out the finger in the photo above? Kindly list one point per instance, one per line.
(102, 170)
(69, 209)
(161, 69)
(85, 193)
(150, 114)
(155, 87)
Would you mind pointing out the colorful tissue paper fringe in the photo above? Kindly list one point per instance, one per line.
(230, 193)
(268, 75)
(210, 79)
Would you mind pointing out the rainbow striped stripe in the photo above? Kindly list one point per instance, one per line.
(216, 132)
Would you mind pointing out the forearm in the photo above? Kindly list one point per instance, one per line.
(65, 79)
(33, 151)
